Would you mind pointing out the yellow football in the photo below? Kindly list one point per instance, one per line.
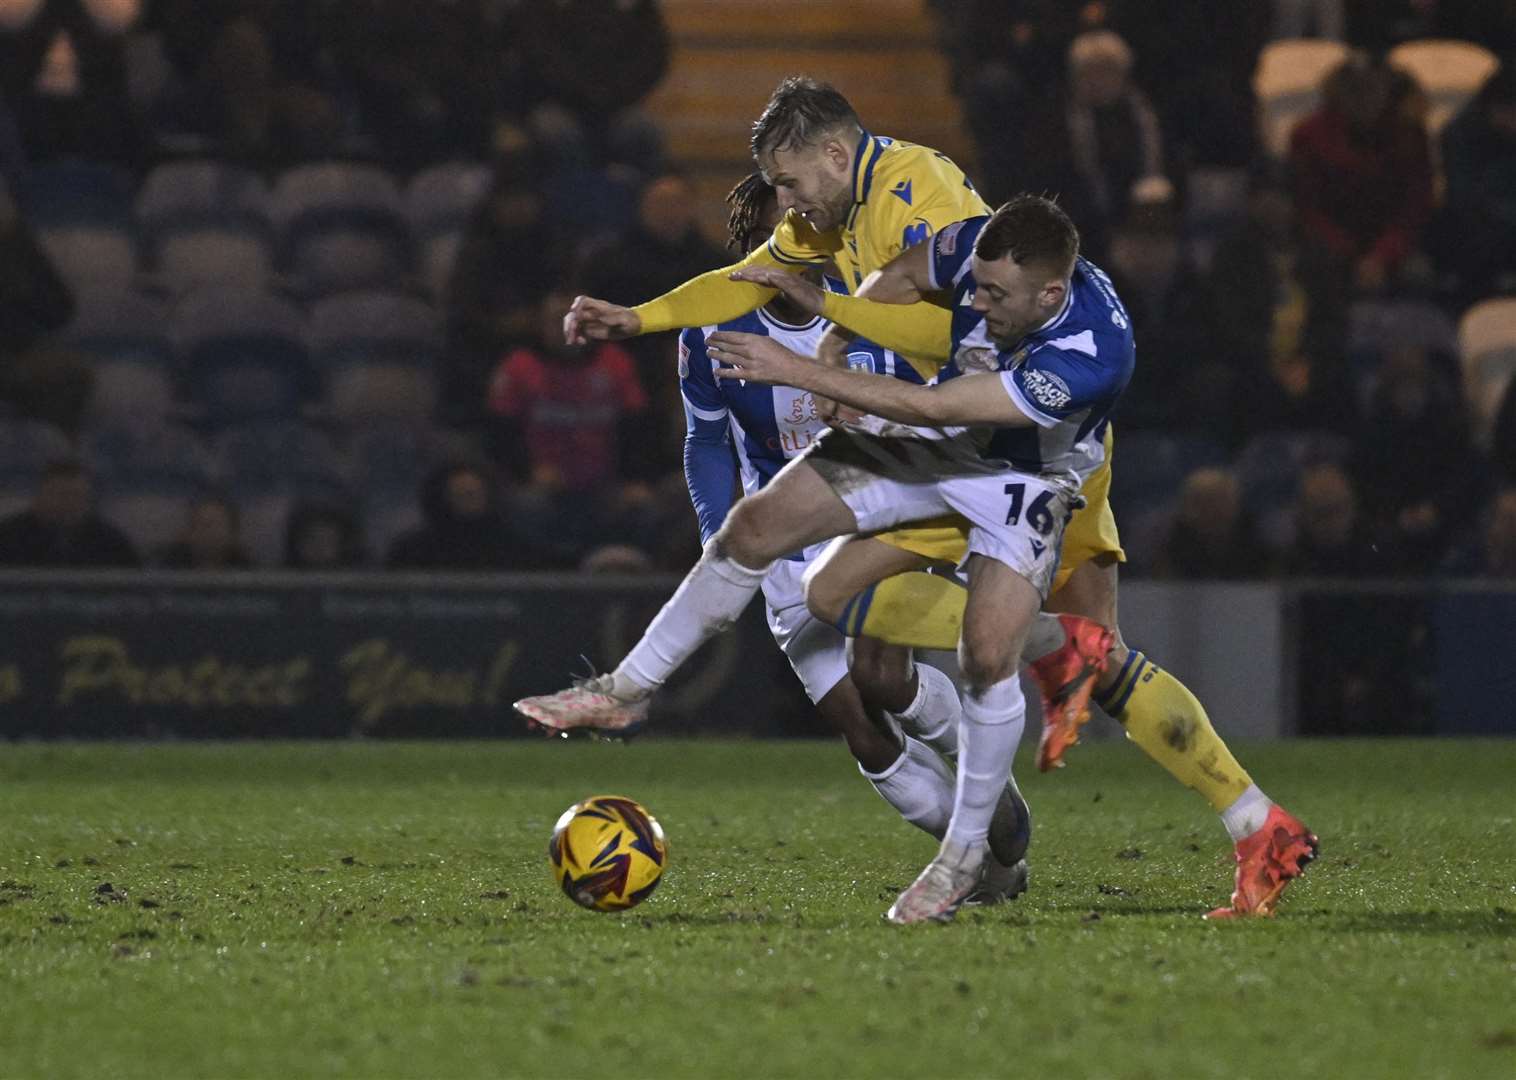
(608, 853)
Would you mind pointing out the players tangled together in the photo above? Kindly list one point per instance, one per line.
(958, 501)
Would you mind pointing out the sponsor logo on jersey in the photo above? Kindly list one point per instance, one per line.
(902, 191)
(1045, 388)
(947, 239)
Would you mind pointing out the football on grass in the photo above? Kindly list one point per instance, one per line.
(608, 853)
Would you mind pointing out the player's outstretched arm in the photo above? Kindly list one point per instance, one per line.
(969, 399)
(890, 309)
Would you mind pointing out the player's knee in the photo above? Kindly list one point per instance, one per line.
(823, 597)
(882, 672)
(987, 658)
(743, 537)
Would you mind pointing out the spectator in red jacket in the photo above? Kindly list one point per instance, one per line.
(1363, 173)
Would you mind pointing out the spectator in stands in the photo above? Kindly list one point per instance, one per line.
(63, 73)
(464, 530)
(210, 539)
(1212, 537)
(1477, 233)
(1186, 379)
(574, 427)
(1093, 146)
(322, 537)
(1308, 19)
(255, 79)
(1363, 174)
(593, 58)
(506, 264)
(61, 528)
(1196, 59)
(1413, 461)
(1332, 538)
(664, 248)
(1493, 554)
(41, 381)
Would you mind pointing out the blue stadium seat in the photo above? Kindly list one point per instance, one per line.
(92, 258)
(244, 354)
(341, 226)
(206, 222)
(268, 468)
(74, 192)
(125, 335)
(1269, 466)
(25, 447)
(377, 351)
(441, 199)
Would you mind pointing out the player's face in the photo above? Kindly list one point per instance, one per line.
(1014, 299)
(815, 181)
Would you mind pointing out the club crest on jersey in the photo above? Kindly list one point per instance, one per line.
(860, 361)
(1045, 388)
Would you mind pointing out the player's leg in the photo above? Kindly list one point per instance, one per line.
(920, 698)
(1162, 716)
(1000, 608)
(796, 509)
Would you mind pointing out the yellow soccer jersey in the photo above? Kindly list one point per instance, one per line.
(902, 194)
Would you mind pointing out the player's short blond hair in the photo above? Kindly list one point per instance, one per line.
(800, 111)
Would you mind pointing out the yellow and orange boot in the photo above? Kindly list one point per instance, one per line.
(1067, 678)
(1267, 861)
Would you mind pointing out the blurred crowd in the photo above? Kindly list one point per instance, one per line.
(281, 281)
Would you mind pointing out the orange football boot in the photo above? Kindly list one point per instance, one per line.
(1067, 679)
(1267, 861)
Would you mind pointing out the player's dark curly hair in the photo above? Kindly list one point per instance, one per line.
(746, 200)
(1030, 229)
(801, 110)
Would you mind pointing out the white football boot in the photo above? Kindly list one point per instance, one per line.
(938, 891)
(587, 706)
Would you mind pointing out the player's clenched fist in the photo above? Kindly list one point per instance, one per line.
(589, 320)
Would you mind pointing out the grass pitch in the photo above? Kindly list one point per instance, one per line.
(387, 910)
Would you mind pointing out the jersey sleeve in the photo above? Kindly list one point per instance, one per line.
(864, 355)
(922, 331)
(714, 298)
(953, 251)
(707, 454)
(1056, 381)
(924, 193)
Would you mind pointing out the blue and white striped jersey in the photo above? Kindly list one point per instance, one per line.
(1066, 375)
(766, 426)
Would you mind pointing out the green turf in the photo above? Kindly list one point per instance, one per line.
(386, 910)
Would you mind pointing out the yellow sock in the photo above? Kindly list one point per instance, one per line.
(1169, 723)
(919, 609)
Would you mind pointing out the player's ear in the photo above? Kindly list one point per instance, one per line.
(1053, 293)
(839, 154)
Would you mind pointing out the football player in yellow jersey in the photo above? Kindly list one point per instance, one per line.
(861, 200)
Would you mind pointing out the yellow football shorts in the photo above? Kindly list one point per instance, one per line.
(1090, 532)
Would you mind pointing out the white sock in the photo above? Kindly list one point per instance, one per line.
(991, 730)
(919, 785)
(709, 600)
(1045, 635)
(1246, 816)
(934, 713)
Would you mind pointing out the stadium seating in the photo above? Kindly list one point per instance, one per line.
(1268, 471)
(267, 468)
(1450, 72)
(1487, 354)
(1287, 82)
(25, 447)
(205, 222)
(341, 227)
(377, 351)
(244, 354)
(1215, 201)
(438, 203)
(147, 478)
(1377, 327)
(91, 258)
(125, 335)
(73, 192)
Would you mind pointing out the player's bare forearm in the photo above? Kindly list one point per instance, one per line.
(905, 279)
(969, 399)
